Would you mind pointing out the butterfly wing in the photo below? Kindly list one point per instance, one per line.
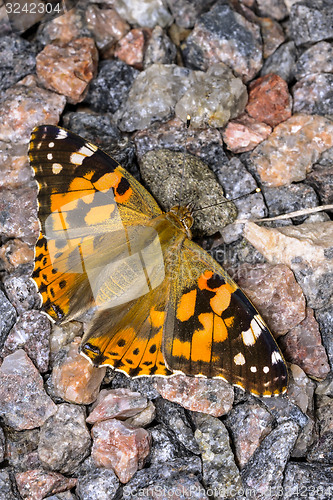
(87, 202)
(213, 330)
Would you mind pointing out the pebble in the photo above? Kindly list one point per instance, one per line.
(284, 199)
(162, 172)
(321, 179)
(6, 487)
(63, 29)
(7, 317)
(305, 249)
(223, 35)
(119, 447)
(244, 133)
(21, 392)
(302, 345)
(73, 377)
(311, 21)
(281, 62)
(213, 98)
(17, 60)
(186, 12)
(106, 26)
(248, 424)
(144, 417)
(264, 473)
(116, 403)
(131, 48)
(290, 151)
(321, 450)
(272, 35)
(64, 440)
(313, 94)
(219, 470)
(147, 13)
(159, 49)
(22, 449)
(174, 477)
(96, 483)
(23, 107)
(176, 419)
(303, 479)
(316, 59)
(68, 70)
(15, 256)
(37, 484)
(214, 397)
(111, 86)
(31, 333)
(167, 446)
(272, 8)
(269, 100)
(275, 292)
(324, 316)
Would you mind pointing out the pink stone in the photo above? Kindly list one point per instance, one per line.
(75, 379)
(303, 346)
(14, 254)
(245, 133)
(37, 484)
(130, 49)
(117, 403)
(69, 69)
(269, 100)
(119, 447)
(276, 294)
(106, 25)
(211, 396)
(292, 148)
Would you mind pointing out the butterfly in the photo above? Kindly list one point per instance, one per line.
(155, 303)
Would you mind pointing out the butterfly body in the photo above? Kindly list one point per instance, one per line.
(157, 303)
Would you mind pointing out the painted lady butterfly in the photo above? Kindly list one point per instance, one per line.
(157, 303)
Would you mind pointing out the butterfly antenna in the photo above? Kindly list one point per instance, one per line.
(188, 121)
(254, 191)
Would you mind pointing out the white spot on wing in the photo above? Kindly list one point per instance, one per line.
(49, 156)
(253, 369)
(62, 134)
(265, 369)
(56, 168)
(250, 336)
(276, 357)
(239, 359)
(51, 144)
(86, 150)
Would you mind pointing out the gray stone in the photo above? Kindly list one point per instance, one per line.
(307, 481)
(223, 35)
(146, 13)
(311, 21)
(22, 292)
(324, 317)
(159, 49)
(186, 12)
(17, 59)
(96, 483)
(7, 317)
(6, 487)
(162, 171)
(111, 86)
(272, 8)
(166, 446)
(220, 473)
(174, 417)
(281, 62)
(313, 94)
(64, 439)
(21, 449)
(321, 179)
(264, 471)
(316, 59)
(284, 199)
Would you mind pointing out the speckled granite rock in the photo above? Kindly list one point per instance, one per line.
(213, 397)
(264, 471)
(22, 449)
(316, 59)
(6, 486)
(308, 480)
(245, 133)
(272, 8)
(311, 21)
(8, 317)
(186, 12)
(144, 12)
(223, 35)
(313, 94)
(306, 249)
(17, 59)
(220, 473)
(64, 440)
(96, 483)
(290, 151)
(284, 199)
(63, 29)
(38, 483)
(130, 49)
(324, 317)
(162, 172)
(21, 392)
(281, 62)
(106, 26)
(159, 49)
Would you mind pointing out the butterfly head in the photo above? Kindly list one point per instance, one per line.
(184, 216)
